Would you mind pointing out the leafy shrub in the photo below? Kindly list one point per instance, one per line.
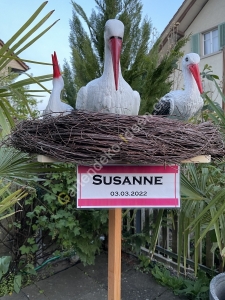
(72, 229)
(191, 289)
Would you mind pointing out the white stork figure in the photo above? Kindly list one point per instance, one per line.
(184, 104)
(55, 106)
(110, 93)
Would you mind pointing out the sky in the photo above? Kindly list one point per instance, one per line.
(14, 13)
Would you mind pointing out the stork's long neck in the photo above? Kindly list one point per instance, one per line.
(189, 82)
(56, 91)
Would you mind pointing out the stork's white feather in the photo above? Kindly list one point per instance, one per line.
(100, 94)
(183, 104)
(55, 106)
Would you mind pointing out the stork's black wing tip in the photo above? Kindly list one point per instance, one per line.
(162, 108)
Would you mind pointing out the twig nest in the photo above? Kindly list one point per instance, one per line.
(88, 137)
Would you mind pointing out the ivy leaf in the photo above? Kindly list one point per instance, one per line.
(24, 250)
(76, 231)
(34, 248)
(17, 283)
(4, 265)
(30, 214)
(31, 241)
(30, 269)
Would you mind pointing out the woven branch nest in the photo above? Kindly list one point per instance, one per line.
(88, 137)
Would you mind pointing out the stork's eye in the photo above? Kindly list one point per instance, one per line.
(186, 59)
(117, 37)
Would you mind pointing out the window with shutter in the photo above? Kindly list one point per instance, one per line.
(210, 42)
(221, 28)
(195, 43)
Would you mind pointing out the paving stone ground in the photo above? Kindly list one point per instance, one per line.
(90, 283)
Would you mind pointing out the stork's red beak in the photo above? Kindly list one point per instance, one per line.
(116, 46)
(56, 70)
(195, 72)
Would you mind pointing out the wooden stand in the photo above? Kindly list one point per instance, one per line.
(114, 254)
(114, 241)
(196, 159)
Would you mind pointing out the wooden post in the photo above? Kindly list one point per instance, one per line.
(114, 254)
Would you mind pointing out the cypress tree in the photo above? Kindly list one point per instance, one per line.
(69, 90)
(141, 66)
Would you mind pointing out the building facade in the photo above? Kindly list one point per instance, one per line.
(204, 22)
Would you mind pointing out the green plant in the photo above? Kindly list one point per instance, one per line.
(19, 42)
(202, 194)
(4, 265)
(134, 241)
(70, 228)
(197, 288)
(17, 283)
(7, 285)
(16, 167)
(145, 264)
(30, 247)
(203, 189)
(18, 176)
(164, 276)
(13, 282)
(8, 202)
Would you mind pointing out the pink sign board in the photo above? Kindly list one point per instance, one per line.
(128, 186)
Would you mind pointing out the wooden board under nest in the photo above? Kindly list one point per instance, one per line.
(88, 137)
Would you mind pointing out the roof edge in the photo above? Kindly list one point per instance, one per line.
(22, 63)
